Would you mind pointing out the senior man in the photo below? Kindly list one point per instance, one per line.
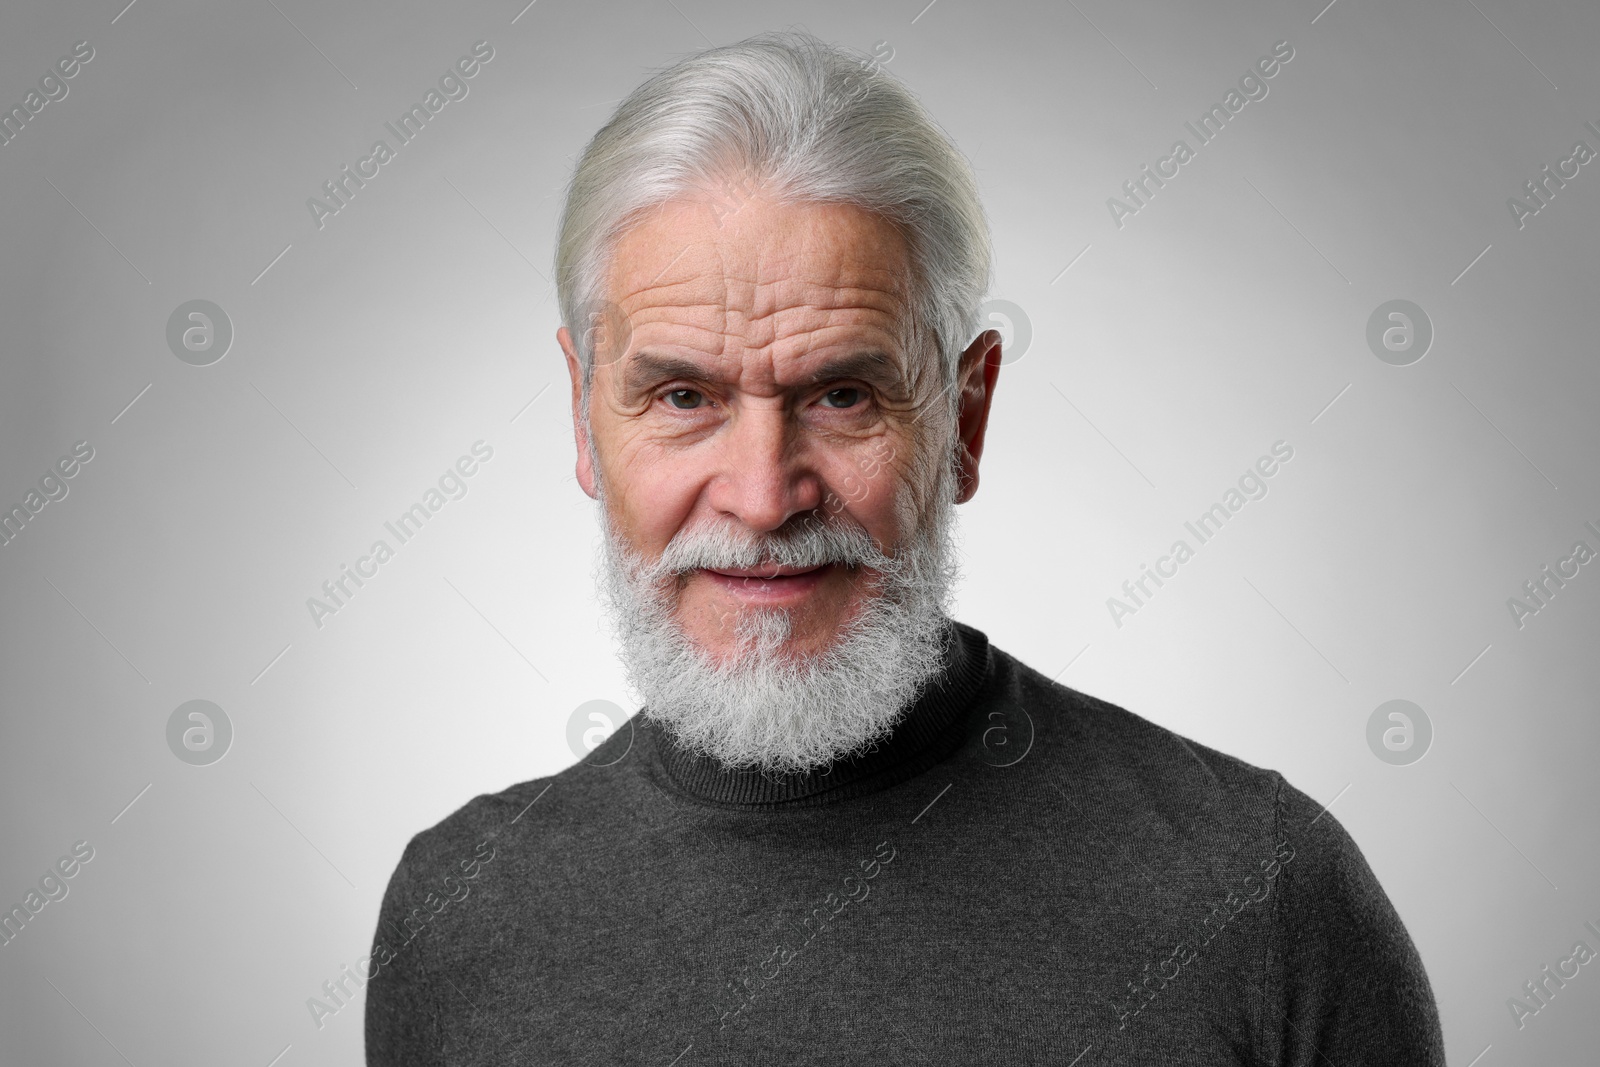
(844, 827)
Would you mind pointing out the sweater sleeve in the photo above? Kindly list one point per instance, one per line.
(1344, 983)
(401, 1026)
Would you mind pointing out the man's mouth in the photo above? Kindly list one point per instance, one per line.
(772, 571)
(768, 584)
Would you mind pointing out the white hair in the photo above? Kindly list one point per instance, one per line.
(807, 121)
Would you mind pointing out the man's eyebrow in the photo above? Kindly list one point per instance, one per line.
(647, 367)
(872, 365)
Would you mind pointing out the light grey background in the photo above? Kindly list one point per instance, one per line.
(372, 352)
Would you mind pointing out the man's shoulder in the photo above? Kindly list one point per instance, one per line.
(1120, 769)
(554, 804)
(1111, 758)
(1095, 736)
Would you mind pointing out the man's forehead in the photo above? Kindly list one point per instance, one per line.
(826, 261)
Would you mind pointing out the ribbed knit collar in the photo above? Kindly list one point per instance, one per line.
(929, 731)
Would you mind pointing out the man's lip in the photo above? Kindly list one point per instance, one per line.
(768, 572)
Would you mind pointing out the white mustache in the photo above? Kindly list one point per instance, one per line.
(813, 544)
(762, 707)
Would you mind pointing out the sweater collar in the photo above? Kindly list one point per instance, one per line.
(930, 730)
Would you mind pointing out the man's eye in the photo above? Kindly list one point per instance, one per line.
(689, 397)
(845, 397)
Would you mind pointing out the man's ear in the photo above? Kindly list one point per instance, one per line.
(977, 371)
(585, 471)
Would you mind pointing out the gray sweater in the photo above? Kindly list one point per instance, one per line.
(1019, 874)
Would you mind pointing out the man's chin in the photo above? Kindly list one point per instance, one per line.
(744, 638)
(785, 682)
(745, 635)
(722, 607)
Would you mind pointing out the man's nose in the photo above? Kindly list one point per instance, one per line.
(766, 474)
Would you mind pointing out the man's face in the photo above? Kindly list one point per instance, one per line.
(766, 383)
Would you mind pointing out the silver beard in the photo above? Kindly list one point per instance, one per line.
(764, 707)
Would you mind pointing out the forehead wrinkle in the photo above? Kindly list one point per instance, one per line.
(815, 307)
(745, 298)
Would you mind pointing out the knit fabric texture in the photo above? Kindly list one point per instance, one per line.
(1018, 874)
